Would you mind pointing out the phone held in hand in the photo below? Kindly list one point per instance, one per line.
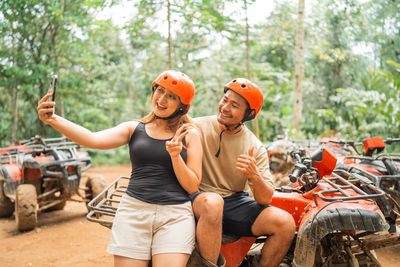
(53, 86)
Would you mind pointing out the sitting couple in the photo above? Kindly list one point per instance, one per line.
(188, 172)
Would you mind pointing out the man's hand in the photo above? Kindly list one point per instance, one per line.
(246, 164)
(174, 147)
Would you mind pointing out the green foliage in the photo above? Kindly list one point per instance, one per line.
(111, 157)
(105, 71)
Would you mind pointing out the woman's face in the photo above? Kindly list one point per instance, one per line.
(165, 102)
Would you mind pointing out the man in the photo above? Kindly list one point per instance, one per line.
(234, 157)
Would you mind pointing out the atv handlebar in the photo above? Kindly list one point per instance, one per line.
(298, 171)
(354, 144)
(390, 141)
(303, 170)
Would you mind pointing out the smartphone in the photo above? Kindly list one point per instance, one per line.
(53, 86)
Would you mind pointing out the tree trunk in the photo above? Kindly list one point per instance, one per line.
(247, 43)
(14, 126)
(169, 37)
(298, 97)
(256, 129)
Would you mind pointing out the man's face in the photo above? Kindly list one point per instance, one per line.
(231, 109)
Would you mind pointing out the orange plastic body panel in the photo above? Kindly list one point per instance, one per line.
(374, 142)
(15, 171)
(327, 164)
(235, 252)
(292, 202)
(32, 174)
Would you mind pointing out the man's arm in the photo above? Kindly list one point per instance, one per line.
(255, 169)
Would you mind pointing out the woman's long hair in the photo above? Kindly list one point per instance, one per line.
(173, 124)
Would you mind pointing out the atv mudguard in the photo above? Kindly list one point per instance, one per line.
(12, 175)
(329, 221)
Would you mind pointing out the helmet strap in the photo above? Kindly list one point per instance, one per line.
(179, 112)
(219, 144)
(220, 136)
(249, 115)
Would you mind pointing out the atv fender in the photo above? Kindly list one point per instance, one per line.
(12, 176)
(329, 221)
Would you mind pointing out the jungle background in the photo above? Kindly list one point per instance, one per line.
(326, 68)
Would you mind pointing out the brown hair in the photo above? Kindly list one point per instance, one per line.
(173, 124)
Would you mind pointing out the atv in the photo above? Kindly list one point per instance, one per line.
(382, 169)
(41, 175)
(338, 221)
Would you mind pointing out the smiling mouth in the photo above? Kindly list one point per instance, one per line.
(160, 107)
(222, 115)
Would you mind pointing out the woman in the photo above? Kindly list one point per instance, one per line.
(154, 220)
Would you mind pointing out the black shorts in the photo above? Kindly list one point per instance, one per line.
(240, 212)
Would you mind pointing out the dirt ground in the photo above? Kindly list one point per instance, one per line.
(66, 238)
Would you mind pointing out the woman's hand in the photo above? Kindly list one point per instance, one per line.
(46, 109)
(174, 147)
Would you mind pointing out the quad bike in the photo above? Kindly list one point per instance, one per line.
(383, 169)
(280, 163)
(338, 222)
(41, 175)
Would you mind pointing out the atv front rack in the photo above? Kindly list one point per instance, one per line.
(103, 207)
(36, 144)
(347, 186)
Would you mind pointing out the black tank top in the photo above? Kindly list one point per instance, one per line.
(153, 179)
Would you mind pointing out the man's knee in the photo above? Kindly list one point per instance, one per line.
(287, 223)
(274, 221)
(209, 206)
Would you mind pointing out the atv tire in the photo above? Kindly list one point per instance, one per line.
(94, 186)
(26, 207)
(6, 206)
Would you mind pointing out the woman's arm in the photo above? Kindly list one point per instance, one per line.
(106, 139)
(189, 173)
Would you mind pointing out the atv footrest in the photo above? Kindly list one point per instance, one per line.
(381, 240)
(103, 207)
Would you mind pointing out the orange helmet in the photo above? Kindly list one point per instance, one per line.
(250, 92)
(177, 82)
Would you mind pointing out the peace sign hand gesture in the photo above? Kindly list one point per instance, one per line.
(174, 147)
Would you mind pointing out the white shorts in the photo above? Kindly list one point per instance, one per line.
(141, 229)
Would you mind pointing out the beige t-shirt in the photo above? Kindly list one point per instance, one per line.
(219, 173)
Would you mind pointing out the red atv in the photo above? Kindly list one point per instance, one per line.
(338, 221)
(41, 175)
(382, 169)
